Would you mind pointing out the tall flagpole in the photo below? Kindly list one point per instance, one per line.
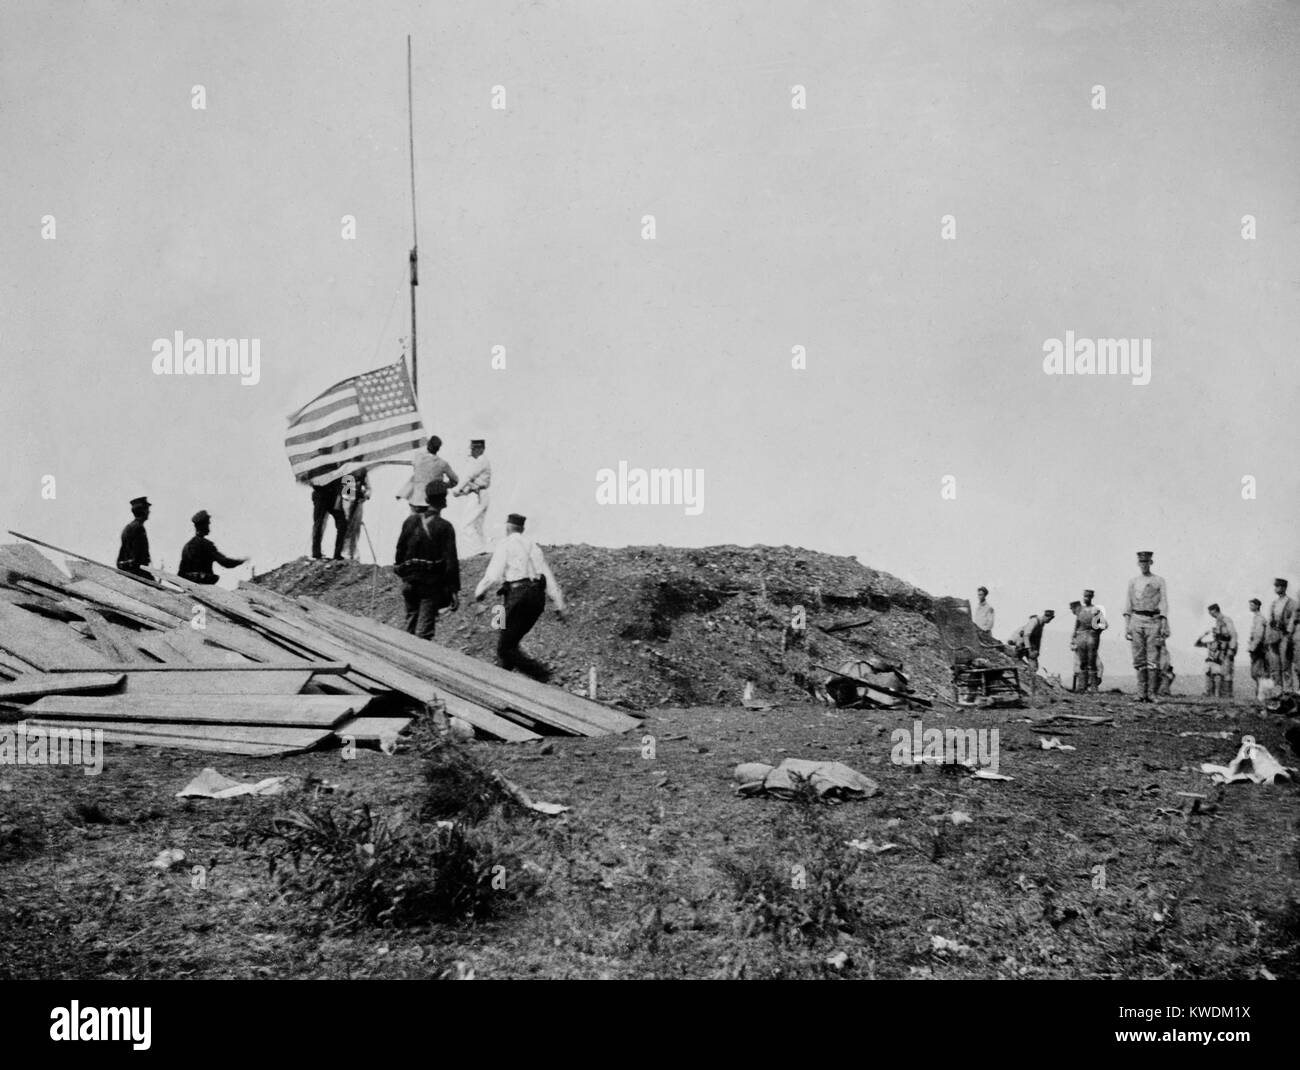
(415, 240)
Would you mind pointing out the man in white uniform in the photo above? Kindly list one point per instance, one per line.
(518, 567)
(477, 481)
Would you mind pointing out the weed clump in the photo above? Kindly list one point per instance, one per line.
(356, 869)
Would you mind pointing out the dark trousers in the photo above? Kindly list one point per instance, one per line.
(524, 604)
(325, 503)
(422, 600)
(199, 577)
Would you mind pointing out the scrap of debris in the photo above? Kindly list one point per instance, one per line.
(871, 683)
(177, 664)
(1253, 764)
(976, 683)
(832, 781)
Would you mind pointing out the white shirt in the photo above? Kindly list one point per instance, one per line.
(983, 615)
(517, 557)
(479, 476)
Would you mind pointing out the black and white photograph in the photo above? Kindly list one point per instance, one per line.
(651, 490)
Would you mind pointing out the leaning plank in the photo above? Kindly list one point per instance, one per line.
(492, 676)
(42, 642)
(477, 705)
(112, 640)
(132, 607)
(35, 685)
(172, 603)
(282, 711)
(372, 729)
(187, 642)
(478, 681)
(26, 560)
(302, 738)
(156, 643)
(377, 665)
(200, 682)
(252, 666)
(247, 750)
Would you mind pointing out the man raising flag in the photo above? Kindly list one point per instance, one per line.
(361, 422)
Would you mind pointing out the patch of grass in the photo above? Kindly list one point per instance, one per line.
(802, 888)
(458, 788)
(357, 869)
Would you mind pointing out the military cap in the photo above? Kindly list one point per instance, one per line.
(140, 503)
(517, 520)
(1279, 580)
(1213, 607)
(1088, 593)
(1256, 602)
(1146, 555)
(477, 442)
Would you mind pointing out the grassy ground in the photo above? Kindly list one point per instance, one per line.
(660, 870)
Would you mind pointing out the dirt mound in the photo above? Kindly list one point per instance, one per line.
(664, 625)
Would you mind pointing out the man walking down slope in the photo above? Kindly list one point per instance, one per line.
(519, 567)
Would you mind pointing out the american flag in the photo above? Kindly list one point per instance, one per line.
(366, 420)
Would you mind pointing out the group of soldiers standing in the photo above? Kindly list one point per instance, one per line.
(1271, 644)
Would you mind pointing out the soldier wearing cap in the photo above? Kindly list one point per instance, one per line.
(1089, 621)
(982, 613)
(1256, 646)
(199, 554)
(476, 483)
(518, 567)
(427, 562)
(1026, 640)
(1220, 642)
(133, 554)
(1146, 623)
(1279, 635)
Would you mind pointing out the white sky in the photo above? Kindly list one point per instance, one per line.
(776, 228)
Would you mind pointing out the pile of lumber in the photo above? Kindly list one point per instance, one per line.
(180, 664)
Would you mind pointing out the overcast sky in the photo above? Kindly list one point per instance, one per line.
(775, 227)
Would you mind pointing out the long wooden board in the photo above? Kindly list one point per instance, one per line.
(172, 603)
(479, 681)
(43, 642)
(372, 729)
(29, 561)
(36, 685)
(301, 738)
(281, 711)
(379, 667)
(114, 641)
(204, 682)
(246, 750)
(493, 676)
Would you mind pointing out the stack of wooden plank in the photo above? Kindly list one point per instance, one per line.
(246, 671)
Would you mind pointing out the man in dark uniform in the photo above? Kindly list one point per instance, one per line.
(133, 555)
(198, 555)
(326, 502)
(427, 562)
